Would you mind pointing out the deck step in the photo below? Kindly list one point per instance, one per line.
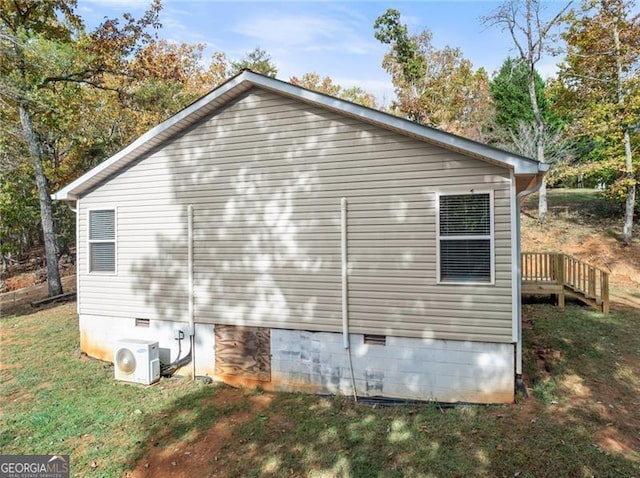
(559, 274)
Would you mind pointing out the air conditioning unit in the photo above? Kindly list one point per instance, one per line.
(136, 361)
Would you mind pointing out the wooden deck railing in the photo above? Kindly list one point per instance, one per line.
(560, 274)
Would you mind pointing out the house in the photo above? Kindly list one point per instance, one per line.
(302, 242)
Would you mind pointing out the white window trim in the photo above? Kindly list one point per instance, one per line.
(492, 238)
(115, 240)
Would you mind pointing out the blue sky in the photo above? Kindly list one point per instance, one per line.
(329, 38)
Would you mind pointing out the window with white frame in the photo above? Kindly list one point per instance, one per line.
(465, 237)
(102, 240)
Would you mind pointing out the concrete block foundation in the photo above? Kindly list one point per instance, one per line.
(317, 362)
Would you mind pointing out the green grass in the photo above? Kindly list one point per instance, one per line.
(582, 202)
(568, 196)
(56, 401)
(583, 419)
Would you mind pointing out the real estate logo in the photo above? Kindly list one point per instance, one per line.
(34, 466)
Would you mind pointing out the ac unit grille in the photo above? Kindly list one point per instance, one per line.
(125, 361)
(136, 361)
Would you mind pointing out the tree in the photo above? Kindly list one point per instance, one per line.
(438, 88)
(529, 31)
(18, 210)
(524, 139)
(97, 122)
(45, 49)
(514, 127)
(258, 61)
(510, 92)
(601, 73)
(80, 123)
(355, 94)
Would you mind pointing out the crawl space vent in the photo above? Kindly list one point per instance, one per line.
(375, 339)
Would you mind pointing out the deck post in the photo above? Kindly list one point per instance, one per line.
(605, 292)
(559, 277)
(592, 282)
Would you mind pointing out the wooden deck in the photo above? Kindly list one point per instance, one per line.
(562, 275)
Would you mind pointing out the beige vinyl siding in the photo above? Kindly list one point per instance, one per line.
(265, 176)
(150, 282)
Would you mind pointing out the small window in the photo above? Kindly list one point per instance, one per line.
(465, 244)
(102, 240)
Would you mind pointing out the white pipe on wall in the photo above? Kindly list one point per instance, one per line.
(192, 327)
(343, 238)
(74, 208)
(345, 290)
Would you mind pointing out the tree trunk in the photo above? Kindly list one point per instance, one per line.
(627, 229)
(46, 207)
(542, 202)
(539, 138)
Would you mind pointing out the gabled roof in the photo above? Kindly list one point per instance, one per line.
(247, 80)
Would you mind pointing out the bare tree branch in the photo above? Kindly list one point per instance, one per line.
(529, 33)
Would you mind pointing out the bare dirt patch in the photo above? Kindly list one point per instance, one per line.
(593, 245)
(30, 270)
(582, 225)
(19, 301)
(20, 281)
(203, 455)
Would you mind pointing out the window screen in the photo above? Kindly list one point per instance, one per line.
(465, 238)
(102, 241)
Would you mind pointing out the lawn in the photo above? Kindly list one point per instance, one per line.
(577, 199)
(582, 419)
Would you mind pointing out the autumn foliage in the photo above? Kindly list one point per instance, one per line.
(72, 96)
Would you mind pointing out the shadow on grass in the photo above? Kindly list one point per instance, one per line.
(584, 361)
(583, 424)
(584, 366)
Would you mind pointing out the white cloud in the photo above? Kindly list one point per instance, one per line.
(415, 24)
(176, 27)
(382, 89)
(170, 21)
(304, 32)
(547, 68)
(138, 4)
